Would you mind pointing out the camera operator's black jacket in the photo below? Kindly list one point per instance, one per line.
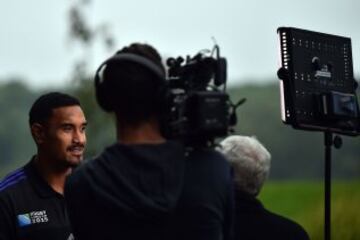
(150, 192)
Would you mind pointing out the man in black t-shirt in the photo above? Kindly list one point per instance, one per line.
(143, 186)
(32, 206)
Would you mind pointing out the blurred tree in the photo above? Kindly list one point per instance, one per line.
(296, 154)
(101, 130)
(80, 31)
(16, 145)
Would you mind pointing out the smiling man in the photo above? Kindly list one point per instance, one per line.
(32, 205)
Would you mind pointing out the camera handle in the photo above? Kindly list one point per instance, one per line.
(329, 141)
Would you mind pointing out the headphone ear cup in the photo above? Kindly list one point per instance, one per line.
(101, 94)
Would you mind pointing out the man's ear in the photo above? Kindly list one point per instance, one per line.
(38, 133)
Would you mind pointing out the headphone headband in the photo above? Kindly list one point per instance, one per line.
(130, 57)
(100, 85)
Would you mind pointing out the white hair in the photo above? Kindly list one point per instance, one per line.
(250, 161)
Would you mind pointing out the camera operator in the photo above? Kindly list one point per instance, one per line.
(251, 163)
(145, 186)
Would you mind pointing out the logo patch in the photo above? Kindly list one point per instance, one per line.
(32, 218)
(24, 220)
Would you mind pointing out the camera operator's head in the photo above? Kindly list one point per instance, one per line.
(132, 85)
(250, 161)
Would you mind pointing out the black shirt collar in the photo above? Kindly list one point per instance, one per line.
(37, 181)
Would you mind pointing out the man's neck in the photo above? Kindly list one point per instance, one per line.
(144, 133)
(53, 176)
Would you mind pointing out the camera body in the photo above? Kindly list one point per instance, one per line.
(197, 108)
(200, 109)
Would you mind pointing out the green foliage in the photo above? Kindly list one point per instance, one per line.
(295, 154)
(15, 140)
(303, 202)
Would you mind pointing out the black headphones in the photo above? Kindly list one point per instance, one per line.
(100, 83)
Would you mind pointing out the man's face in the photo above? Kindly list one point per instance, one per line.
(64, 136)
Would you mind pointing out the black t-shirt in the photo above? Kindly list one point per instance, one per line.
(30, 209)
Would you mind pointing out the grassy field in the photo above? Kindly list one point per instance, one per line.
(303, 202)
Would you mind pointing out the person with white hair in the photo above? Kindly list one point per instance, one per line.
(250, 161)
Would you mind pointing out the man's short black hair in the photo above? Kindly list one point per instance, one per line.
(42, 108)
(135, 92)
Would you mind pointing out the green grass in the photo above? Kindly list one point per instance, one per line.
(303, 202)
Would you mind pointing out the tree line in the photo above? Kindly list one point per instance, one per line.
(295, 154)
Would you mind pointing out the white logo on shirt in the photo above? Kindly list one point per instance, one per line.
(32, 218)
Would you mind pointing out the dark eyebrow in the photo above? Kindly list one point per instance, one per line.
(66, 125)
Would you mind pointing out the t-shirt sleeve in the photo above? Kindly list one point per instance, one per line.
(7, 228)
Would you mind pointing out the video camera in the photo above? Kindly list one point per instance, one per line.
(200, 108)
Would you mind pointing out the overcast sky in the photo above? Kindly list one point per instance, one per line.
(34, 42)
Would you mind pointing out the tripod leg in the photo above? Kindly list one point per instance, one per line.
(328, 144)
